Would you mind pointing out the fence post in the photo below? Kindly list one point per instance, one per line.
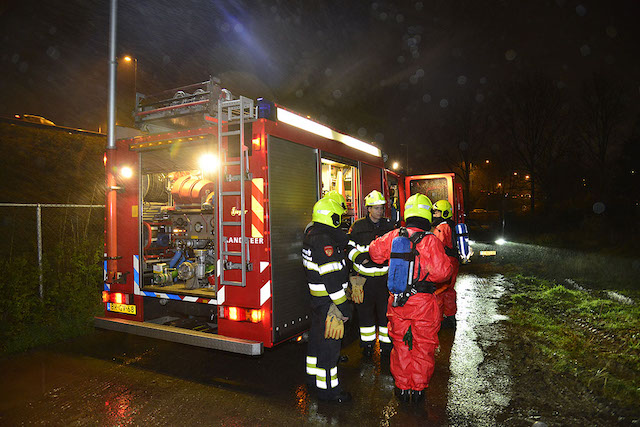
(39, 227)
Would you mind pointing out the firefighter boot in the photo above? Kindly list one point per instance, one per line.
(367, 351)
(449, 322)
(417, 396)
(403, 395)
(385, 350)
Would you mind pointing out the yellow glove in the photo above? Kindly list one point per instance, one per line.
(357, 289)
(334, 325)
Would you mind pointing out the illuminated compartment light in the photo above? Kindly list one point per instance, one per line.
(118, 298)
(208, 162)
(233, 313)
(126, 172)
(105, 296)
(323, 131)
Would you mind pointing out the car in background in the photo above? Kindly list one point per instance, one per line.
(34, 119)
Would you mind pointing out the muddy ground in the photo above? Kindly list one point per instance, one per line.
(487, 374)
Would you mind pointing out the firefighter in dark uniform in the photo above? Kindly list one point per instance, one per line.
(323, 258)
(371, 278)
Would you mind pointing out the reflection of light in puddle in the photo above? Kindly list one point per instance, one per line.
(119, 408)
(478, 388)
(302, 399)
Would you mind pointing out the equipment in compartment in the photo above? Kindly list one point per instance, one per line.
(178, 230)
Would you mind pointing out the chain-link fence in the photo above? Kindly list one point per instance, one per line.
(33, 231)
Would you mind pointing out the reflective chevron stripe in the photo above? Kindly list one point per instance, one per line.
(371, 271)
(321, 378)
(334, 377)
(383, 334)
(311, 365)
(368, 333)
(318, 289)
(324, 268)
(338, 297)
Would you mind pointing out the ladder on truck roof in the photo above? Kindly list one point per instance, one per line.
(233, 111)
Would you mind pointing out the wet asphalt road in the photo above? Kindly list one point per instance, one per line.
(113, 379)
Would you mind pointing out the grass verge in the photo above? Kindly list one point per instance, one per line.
(582, 334)
(72, 277)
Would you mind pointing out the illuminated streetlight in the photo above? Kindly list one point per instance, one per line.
(395, 166)
(486, 161)
(127, 58)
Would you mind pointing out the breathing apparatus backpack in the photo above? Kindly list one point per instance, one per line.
(462, 242)
(401, 265)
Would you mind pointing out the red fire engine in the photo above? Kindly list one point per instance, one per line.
(206, 211)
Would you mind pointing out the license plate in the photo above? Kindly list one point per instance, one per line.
(121, 308)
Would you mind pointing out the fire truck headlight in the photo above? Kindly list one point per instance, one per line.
(126, 172)
(208, 163)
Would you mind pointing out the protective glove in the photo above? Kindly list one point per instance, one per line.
(334, 324)
(408, 338)
(357, 288)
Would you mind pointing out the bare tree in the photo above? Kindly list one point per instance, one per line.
(600, 116)
(464, 138)
(533, 119)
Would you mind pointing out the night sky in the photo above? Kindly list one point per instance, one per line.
(383, 71)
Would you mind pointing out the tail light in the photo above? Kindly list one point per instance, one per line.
(115, 297)
(239, 314)
(254, 316)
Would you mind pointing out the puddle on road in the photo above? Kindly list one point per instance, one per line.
(479, 388)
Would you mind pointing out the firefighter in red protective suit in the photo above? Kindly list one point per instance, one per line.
(369, 286)
(323, 258)
(414, 326)
(443, 227)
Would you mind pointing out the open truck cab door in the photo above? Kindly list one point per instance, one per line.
(440, 186)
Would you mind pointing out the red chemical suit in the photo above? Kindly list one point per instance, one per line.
(412, 369)
(447, 297)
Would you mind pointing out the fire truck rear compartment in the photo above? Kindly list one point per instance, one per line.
(178, 225)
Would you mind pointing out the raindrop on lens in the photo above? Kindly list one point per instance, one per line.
(598, 207)
(462, 80)
(585, 50)
(426, 98)
(581, 10)
(444, 103)
(510, 55)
